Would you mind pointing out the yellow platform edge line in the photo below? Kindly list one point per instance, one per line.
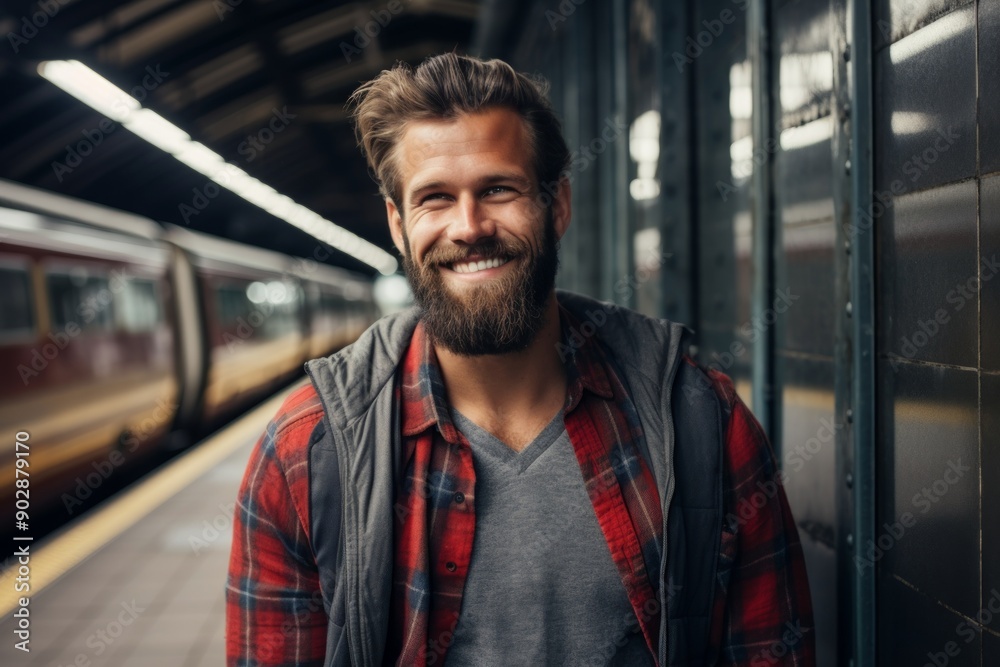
(67, 550)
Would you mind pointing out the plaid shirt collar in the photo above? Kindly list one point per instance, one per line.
(426, 398)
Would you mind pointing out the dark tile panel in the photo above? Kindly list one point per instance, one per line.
(805, 173)
(925, 106)
(801, 26)
(989, 221)
(803, 62)
(928, 523)
(991, 497)
(804, 288)
(914, 630)
(989, 86)
(895, 19)
(808, 444)
(991, 650)
(928, 307)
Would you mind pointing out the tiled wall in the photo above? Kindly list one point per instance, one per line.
(938, 466)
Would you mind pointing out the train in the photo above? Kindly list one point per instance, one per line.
(122, 338)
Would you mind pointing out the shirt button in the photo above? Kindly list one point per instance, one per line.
(450, 566)
(459, 497)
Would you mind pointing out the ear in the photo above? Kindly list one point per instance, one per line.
(562, 207)
(395, 225)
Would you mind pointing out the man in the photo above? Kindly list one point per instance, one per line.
(506, 475)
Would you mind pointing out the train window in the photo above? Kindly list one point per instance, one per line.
(271, 309)
(281, 308)
(80, 299)
(231, 303)
(139, 306)
(332, 305)
(15, 304)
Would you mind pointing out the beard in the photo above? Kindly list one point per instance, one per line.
(502, 316)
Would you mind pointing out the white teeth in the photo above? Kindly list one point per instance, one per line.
(472, 267)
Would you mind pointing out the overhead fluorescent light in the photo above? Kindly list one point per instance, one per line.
(103, 96)
(90, 88)
(158, 131)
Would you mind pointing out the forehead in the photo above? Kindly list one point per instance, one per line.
(470, 144)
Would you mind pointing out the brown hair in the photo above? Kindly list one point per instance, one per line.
(445, 86)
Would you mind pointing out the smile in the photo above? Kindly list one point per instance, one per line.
(482, 265)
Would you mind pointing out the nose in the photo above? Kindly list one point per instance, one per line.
(472, 222)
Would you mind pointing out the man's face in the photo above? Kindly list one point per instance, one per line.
(479, 250)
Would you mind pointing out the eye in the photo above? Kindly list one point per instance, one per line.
(432, 196)
(498, 189)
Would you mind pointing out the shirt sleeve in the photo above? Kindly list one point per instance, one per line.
(763, 613)
(274, 608)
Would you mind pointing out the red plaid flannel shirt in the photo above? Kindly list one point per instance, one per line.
(274, 608)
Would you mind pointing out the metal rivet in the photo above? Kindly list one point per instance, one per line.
(850, 539)
(450, 566)
(847, 53)
(849, 480)
(849, 309)
(459, 497)
(847, 167)
(850, 413)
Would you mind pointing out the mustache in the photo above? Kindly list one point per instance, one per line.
(489, 249)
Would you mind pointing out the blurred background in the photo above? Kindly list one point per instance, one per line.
(813, 187)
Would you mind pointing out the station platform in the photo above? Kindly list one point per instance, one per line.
(140, 580)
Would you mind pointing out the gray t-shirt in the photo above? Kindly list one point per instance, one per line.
(542, 588)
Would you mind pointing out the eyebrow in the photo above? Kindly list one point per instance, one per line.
(492, 179)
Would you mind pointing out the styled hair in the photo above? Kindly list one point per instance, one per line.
(445, 86)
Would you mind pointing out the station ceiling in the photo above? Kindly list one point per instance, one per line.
(261, 82)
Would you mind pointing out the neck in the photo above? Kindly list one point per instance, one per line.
(518, 386)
